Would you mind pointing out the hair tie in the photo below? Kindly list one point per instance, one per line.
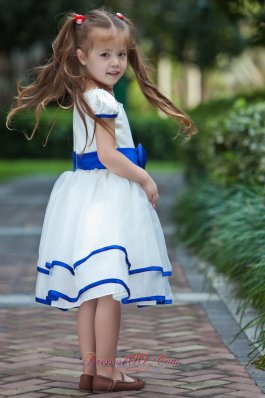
(79, 19)
(119, 15)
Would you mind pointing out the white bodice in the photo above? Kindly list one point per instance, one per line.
(103, 104)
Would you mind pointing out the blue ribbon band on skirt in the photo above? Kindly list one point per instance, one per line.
(89, 161)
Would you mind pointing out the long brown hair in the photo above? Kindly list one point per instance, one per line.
(63, 79)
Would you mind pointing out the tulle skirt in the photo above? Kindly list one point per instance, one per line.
(101, 236)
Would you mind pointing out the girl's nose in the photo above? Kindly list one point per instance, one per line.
(115, 61)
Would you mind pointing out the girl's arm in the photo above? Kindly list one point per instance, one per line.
(114, 160)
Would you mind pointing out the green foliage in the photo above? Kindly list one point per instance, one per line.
(236, 150)
(230, 144)
(260, 363)
(191, 30)
(252, 12)
(14, 144)
(226, 227)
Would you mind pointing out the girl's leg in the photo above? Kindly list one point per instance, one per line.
(107, 327)
(86, 334)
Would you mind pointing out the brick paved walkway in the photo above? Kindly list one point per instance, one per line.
(39, 355)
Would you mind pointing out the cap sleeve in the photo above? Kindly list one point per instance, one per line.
(102, 103)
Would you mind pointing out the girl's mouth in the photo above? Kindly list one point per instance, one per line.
(113, 73)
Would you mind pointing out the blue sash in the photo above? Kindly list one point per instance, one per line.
(89, 161)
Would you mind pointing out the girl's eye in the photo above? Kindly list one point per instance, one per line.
(106, 54)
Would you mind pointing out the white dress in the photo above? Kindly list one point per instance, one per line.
(101, 235)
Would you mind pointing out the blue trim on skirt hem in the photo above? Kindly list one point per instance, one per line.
(77, 263)
(54, 295)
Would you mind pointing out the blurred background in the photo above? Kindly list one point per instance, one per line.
(200, 49)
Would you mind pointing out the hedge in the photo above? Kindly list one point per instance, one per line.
(223, 148)
(225, 226)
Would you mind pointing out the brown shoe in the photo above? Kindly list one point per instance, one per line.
(107, 384)
(86, 383)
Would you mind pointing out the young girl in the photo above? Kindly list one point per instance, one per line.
(102, 243)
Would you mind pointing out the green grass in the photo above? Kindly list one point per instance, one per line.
(225, 226)
(15, 168)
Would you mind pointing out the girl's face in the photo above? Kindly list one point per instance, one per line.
(107, 61)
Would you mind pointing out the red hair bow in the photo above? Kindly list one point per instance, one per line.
(79, 19)
(119, 15)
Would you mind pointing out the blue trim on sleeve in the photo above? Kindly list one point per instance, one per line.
(105, 115)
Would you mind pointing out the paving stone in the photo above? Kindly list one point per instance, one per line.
(211, 392)
(65, 392)
(32, 395)
(159, 395)
(245, 394)
(201, 377)
(202, 384)
(14, 392)
(247, 387)
(24, 383)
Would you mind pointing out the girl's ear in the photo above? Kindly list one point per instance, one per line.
(81, 56)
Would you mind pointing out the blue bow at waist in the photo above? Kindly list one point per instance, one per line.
(89, 161)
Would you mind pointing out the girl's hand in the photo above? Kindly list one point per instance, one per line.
(150, 188)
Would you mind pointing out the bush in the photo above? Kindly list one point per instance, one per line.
(235, 152)
(230, 144)
(225, 226)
